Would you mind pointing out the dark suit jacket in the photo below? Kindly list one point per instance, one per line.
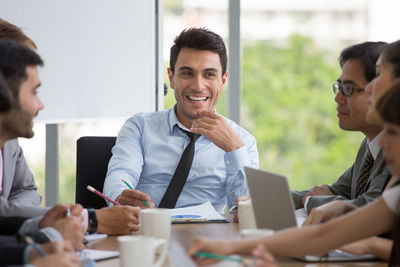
(345, 187)
(10, 225)
(11, 251)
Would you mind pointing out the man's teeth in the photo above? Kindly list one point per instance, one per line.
(197, 98)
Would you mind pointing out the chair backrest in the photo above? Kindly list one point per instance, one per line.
(93, 155)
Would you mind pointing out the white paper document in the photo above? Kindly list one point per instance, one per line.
(97, 255)
(203, 212)
(301, 216)
(92, 237)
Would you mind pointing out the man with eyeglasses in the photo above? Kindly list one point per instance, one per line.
(366, 178)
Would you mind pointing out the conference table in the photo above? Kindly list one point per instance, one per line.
(182, 235)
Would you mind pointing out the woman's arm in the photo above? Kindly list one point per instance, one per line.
(378, 246)
(314, 239)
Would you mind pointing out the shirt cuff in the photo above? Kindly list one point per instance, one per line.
(52, 234)
(235, 160)
(306, 203)
(85, 223)
(30, 225)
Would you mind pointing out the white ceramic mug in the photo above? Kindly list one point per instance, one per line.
(140, 251)
(155, 223)
(246, 215)
(255, 233)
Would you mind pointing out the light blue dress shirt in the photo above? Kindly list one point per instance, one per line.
(149, 147)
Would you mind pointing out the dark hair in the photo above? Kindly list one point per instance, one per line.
(13, 33)
(14, 58)
(391, 55)
(366, 53)
(5, 99)
(200, 39)
(388, 105)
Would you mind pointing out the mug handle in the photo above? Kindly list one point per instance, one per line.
(161, 258)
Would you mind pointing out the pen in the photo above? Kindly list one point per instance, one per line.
(91, 189)
(68, 213)
(130, 187)
(30, 241)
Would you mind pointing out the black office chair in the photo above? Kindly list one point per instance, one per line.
(93, 155)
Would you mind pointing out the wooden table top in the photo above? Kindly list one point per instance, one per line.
(183, 235)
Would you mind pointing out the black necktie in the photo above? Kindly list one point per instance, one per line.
(362, 181)
(181, 173)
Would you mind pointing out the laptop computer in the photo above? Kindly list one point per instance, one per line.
(274, 209)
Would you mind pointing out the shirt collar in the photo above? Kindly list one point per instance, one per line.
(373, 145)
(173, 120)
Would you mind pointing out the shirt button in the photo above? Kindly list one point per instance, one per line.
(228, 162)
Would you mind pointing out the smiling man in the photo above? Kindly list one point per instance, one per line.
(189, 154)
(366, 178)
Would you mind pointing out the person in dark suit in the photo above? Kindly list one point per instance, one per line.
(357, 185)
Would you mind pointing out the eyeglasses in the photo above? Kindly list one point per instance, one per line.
(346, 89)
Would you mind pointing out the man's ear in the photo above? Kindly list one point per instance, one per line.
(171, 76)
(224, 80)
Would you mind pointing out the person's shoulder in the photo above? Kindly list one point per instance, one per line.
(11, 145)
(148, 118)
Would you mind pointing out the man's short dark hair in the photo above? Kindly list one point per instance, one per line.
(14, 58)
(200, 39)
(5, 98)
(366, 53)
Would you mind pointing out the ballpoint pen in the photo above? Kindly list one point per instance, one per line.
(130, 187)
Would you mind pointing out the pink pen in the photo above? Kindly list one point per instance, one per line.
(91, 189)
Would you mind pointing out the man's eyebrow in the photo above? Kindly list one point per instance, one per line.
(348, 82)
(185, 68)
(211, 69)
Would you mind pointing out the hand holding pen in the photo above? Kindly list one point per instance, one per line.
(53, 254)
(135, 197)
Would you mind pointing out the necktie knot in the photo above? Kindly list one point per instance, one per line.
(193, 136)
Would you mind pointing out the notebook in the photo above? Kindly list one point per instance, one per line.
(274, 209)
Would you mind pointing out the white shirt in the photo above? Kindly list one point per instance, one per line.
(374, 145)
(392, 197)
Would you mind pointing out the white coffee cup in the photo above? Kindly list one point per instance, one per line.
(155, 223)
(255, 233)
(246, 215)
(140, 251)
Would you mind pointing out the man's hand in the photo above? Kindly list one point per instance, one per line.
(71, 229)
(51, 248)
(318, 190)
(61, 259)
(58, 212)
(215, 128)
(235, 210)
(134, 198)
(328, 211)
(211, 246)
(118, 220)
